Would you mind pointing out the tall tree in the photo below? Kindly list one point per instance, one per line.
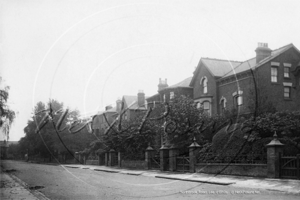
(7, 115)
(48, 140)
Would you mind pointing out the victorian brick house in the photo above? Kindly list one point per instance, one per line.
(131, 106)
(220, 85)
(167, 93)
(100, 124)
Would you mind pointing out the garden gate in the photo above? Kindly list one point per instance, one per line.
(155, 161)
(289, 166)
(183, 163)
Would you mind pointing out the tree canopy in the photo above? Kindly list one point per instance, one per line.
(175, 123)
(47, 140)
(7, 115)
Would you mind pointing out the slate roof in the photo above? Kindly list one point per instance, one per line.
(251, 63)
(225, 68)
(184, 83)
(132, 104)
(219, 67)
(113, 109)
(157, 94)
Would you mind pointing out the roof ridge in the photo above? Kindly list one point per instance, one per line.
(220, 59)
(283, 47)
(237, 66)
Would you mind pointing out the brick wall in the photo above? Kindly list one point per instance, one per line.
(227, 90)
(211, 88)
(275, 91)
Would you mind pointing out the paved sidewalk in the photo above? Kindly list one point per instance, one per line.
(280, 185)
(13, 188)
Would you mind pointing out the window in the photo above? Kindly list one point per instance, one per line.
(286, 72)
(125, 116)
(206, 107)
(223, 105)
(274, 74)
(204, 85)
(237, 101)
(198, 105)
(287, 92)
(171, 95)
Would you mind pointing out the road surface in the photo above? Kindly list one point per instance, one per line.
(57, 182)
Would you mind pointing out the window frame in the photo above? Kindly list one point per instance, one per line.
(204, 83)
(238, 101)
(207, 111)
(172, 95)
(288, 73)
(289, 92)
(272, 76)
(223, 105)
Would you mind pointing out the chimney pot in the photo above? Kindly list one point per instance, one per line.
(262, 51)
(162, 84)
(141, 98)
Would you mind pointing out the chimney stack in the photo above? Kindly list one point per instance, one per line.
(108, 107)
(262, 51)
(141, 98)
(118, 105)
(162, 84)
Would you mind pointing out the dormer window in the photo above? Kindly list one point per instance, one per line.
(203, 82)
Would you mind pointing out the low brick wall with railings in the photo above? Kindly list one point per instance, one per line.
(134, 164)
(92, 162)
(254, 165)
(254, 170)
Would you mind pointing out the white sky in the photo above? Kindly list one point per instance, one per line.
(88, 53)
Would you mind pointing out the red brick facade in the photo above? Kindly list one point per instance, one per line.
(166, 93)
(236, 89)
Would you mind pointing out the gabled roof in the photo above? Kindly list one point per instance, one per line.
(219, 67)
(225, 68)
(182, 84)
(276, 53)
(111, 110)
(157, 94)
(216, 67)
(251, 63)
(185, 83)
(132, 104)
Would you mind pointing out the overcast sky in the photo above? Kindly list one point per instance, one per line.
(88, 53)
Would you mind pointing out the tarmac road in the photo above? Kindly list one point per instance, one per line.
(58, 182)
